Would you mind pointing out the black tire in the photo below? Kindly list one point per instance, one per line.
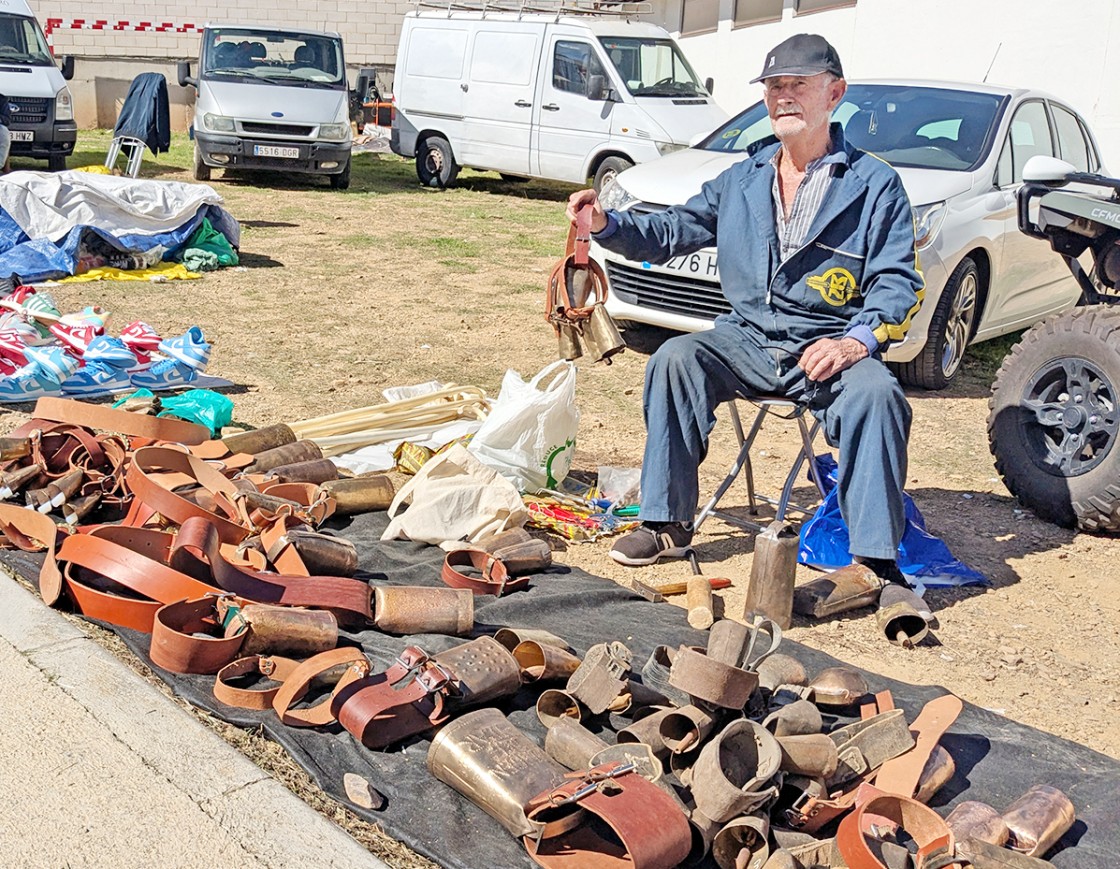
(513, 179)
(435, 164)
(950, 329)
(199, 170)
(1054, 419)
(341, 181)
(608, 169)
(56, 162)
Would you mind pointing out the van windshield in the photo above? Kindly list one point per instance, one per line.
(652, 67)
(270, 56)
(915, 126)
(22, 42)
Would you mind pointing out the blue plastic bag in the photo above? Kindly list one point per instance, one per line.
(921, 556)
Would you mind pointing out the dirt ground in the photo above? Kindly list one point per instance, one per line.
(342, 294)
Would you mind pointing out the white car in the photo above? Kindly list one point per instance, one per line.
(960, 150)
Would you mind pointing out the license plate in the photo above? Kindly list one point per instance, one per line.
(702, 264)
(275, 151)
(23, 136)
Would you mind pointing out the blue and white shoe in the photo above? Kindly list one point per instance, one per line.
(191, 348)
(106, 370)
(168, 374)
(46, 369)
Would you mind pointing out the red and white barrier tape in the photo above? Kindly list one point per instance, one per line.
(129, 26)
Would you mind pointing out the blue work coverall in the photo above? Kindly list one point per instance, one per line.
(856, 273)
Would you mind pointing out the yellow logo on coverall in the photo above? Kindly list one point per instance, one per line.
(836, 286)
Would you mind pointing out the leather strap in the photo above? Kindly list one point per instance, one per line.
(710, 680)
(406, 699)
(900, 775)
(581, 236)
(198, 547)
(32, 531)
(652, 832)
(273, 667)
(107, 419)
(879, 813)
(494, 579)
(187, 637)
(299, 681)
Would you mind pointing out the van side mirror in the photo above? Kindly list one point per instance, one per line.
(361, 88)
(1042, 169)
(68, 66)
(184, 68)
(596, 85)
(709, 85)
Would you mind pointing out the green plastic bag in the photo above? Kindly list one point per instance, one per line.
(206, 240)
(202, 406)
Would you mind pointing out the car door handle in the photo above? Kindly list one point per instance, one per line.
(551, 107)
(522, 104)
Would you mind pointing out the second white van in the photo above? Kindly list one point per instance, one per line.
(537, 95)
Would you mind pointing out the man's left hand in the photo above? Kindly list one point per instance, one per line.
(829, 356)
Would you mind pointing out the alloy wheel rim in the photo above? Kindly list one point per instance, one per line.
(958, 328)
(1070, 416)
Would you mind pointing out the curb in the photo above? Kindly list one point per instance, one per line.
(241, 803)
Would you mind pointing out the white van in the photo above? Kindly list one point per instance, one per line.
(542, 95)
(42, 109)
(272, 99)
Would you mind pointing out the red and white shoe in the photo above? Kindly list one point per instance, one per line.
(143, 341)
(75, 339)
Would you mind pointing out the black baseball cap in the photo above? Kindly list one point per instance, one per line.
(803, 54)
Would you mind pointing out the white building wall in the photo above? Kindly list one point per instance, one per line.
(1069, 48)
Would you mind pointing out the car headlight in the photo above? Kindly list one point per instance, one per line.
(63, 105)
(927, 223)
(664, 148)
(615, 197)
(217, 123)
(334, 131)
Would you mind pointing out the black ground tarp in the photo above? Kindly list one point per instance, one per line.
(997, 759)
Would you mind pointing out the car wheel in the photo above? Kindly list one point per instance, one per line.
(1054, 419)
(950, 330)
(200, 170)
(609, 169)
(56, 162)
(435, 164)
(341, 181)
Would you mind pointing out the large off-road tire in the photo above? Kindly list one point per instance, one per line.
(435, 164)
(1054, 419)
(608, 170)
(950, 329)
(199, 170)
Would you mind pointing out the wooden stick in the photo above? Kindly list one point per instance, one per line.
(700, 614)
(680, 586)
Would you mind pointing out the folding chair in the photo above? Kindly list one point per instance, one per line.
(783, 408)
(144, 122)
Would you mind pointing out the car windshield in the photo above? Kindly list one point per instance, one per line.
(22, 42)
(652, 67)
(920, 127)
(305, 59)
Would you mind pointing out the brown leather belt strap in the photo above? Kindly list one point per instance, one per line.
(710, 680)
(495, 578)
(32, 531)
(198, 547)
(299, 681)
(178, 641)
(900, 775)
(151, 498)
(107, 419)
(653, 831)
(274, 667)
(890, 812)
(378, 712)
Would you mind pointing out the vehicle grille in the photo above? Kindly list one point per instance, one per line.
(676, 294)
(29, 110)
(276, 129)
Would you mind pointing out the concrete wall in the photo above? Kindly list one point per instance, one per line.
(1071, 49)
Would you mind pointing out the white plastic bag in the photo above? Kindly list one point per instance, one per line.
(454, 496)
(530, 435)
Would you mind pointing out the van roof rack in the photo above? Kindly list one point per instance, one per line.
(621, 8)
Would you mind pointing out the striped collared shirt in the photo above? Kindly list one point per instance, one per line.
(806, 201)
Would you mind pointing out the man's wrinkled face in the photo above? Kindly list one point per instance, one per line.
(801, 104)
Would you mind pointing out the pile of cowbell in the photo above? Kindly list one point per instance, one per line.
(44, 352)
